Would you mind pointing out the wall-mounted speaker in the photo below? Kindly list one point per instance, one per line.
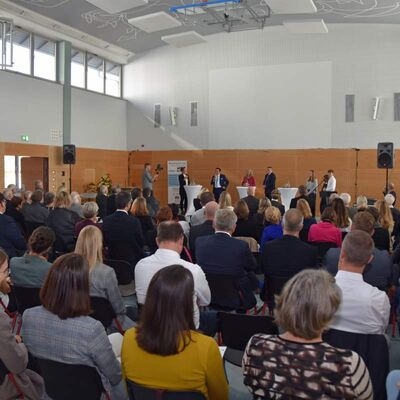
(385, 155)
(69, 154)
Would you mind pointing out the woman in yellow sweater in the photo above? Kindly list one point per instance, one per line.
(165, 351)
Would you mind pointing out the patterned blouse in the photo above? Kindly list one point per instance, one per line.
(275, 368)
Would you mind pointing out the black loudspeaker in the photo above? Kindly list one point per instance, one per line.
(69, 154)
(385, 155)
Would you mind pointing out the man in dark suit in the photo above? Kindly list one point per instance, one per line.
(219, 183)
(11, 239)
(183, 181)
(224, 255)
(204, 229)
(101, 200)
(111, 207)
(251, 201)
(269, 182)
(287, 256)
(123, 233)
(380, 272)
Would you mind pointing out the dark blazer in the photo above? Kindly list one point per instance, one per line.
(224, 255)
(269, 182)
(182, 182)
(307, 222)
(63, 222)
(111, 207)
(196, 231)
(279, 206)
(196, 204)
(101, 200)
(35, 212)
(293, 202)
(223, 181)
(381, 238)
(146, 223)
(124, 237)
(252, 202)
(287, 256)
(246, 228)
(11, 239)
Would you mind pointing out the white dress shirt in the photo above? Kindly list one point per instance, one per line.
(364, 308)
(217, 183)
(331, 186)
(147, 267)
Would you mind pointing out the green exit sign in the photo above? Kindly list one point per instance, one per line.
(25, 138)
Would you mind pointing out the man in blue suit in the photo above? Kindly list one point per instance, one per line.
(11, 239)
(224, 255)
(219, 183)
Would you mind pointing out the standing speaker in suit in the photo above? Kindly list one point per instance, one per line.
(183, 181)
(269, 183)
(219, 183)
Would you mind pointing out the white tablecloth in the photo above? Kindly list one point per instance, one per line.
(191, 191)
(242, 190)
(287, 194)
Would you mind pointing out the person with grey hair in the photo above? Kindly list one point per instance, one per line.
(221, 254)
(101, 200)
(287, 256)
(251, 201)
(364, 309)
(76, 205)
(89, 212)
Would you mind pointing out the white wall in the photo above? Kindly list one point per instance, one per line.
(365, 61)
(33, 107)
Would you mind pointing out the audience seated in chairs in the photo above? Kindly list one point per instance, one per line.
(381, 236)
(251, 201)
(170, 242)
(16, 380)
(30, 270)
(140, 211)
(123, 232)
(11, 239)
(287, 256)
(76, 204)
(343, 222)
(198, 217)
(364, 308)
(273, 229)
(222, 254)
(62, 221)
(61, 330)
(244, 227)
(379, 272)
(304, 207)
(303, 311)
(165, 351)
(35, 212)
(259, 217)
(90, 210)
(326, 230)
(102, 279)
(204, 229)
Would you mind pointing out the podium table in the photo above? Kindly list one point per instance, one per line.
(287, 194)
(191, 191)
(242, 190)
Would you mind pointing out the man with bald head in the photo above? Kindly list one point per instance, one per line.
(287, 256)
(204, 229)
(251, 200)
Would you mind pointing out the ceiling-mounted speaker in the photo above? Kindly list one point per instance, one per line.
(385, 155)
(69, 154)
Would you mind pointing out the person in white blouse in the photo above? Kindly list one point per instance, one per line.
(364, 308)
(170, 242)
(331, 186)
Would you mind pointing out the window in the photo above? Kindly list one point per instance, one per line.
(21, 53)
(45, 58)
(113, 79)
(78, 68)
(95, 73)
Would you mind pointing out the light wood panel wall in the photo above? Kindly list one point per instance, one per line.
(290, 166)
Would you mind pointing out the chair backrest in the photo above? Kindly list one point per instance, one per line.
(374, 351)
(225, 294)
(274, 286)
(323, 248)
(70, 381)
(120, 250)
(26, 298)
(102, 311)
(237, 329)
(138, 392)
(251, 242)
(123, 271)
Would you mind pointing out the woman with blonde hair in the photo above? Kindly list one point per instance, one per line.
(102, 279)
(225, 201)
(140, 211)
(274, 229)
(385, 216)
(304, 309)
(248, 179)
(259, 217)
(304, 207)
(63, 221)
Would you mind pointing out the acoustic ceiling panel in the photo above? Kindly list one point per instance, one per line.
(184, 39)
(117, 6)
(292, 6)
(155, 22)
(306, 26)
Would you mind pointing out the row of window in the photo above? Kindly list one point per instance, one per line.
(35, 55)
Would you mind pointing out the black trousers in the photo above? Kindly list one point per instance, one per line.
(184, 200)
(217, 192)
